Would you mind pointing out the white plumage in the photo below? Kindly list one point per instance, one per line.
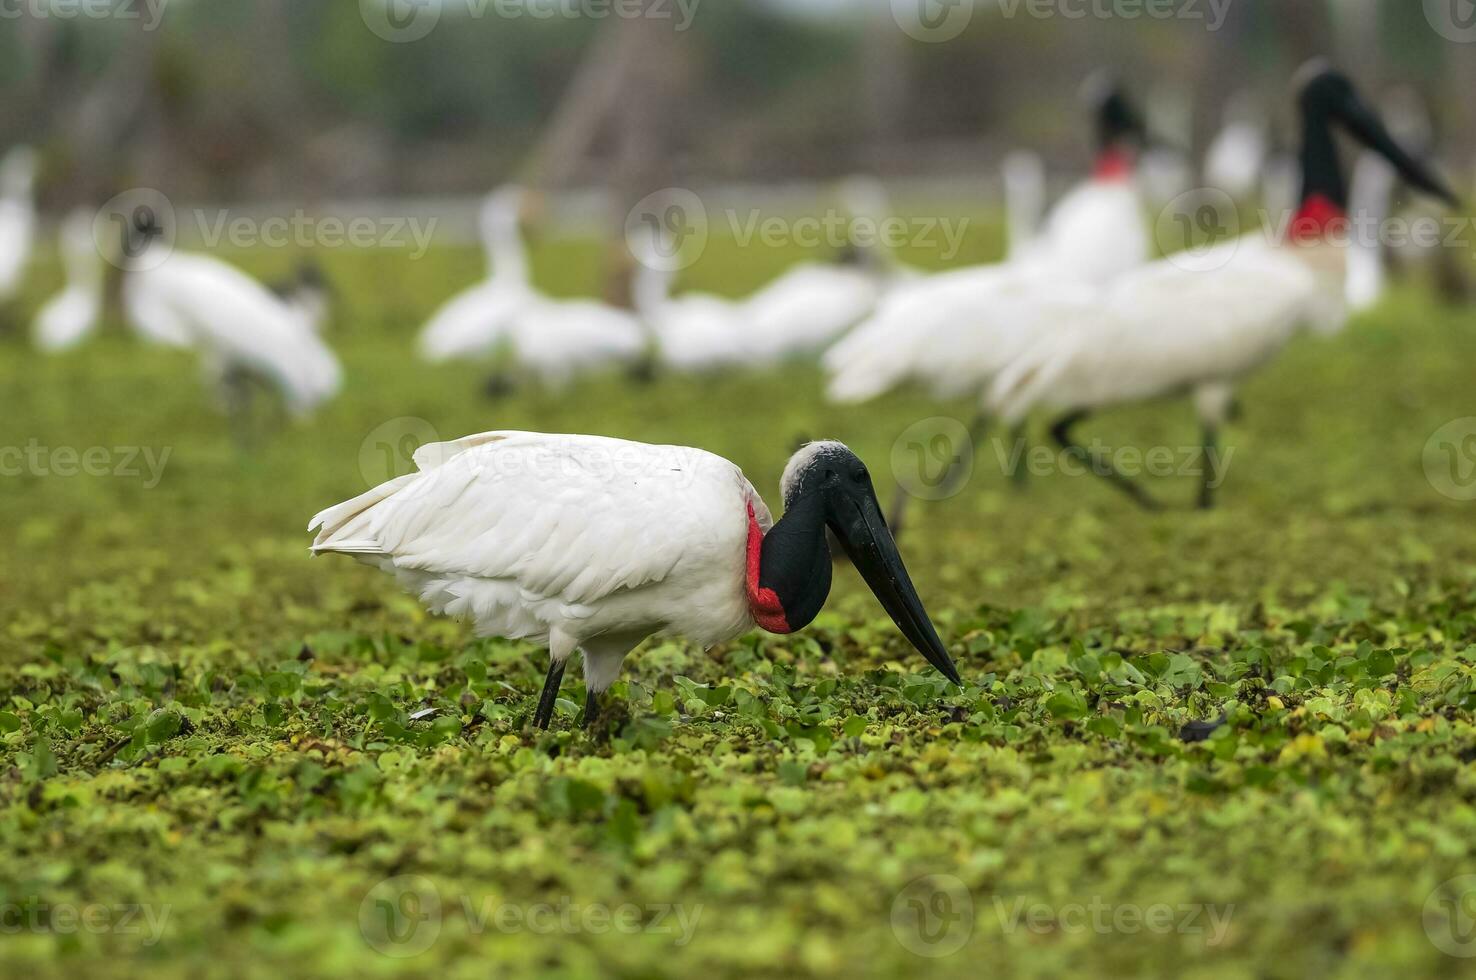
(694, 332)
(70, 316)
(806, 308)
(236, 324)
(566, 540)
(1169, 328)
(554, 339)
(920, 331)
(17, 217)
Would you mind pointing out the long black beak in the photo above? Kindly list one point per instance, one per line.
(857, 521)
(1369, 130)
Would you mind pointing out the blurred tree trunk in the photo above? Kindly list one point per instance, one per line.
(1228, 57)
(116, 115)
(627, 99)
(886, 82)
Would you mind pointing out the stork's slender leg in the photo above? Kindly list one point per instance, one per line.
(645, 370)
(1211, 449)
(236, 395)
(544, 714)
(948, 485)
(498, 385)
(591, 708)
(1020, 475)
(1099, 465)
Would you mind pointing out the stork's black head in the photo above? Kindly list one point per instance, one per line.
(827, 485)
(1326, 97)
(1118, 122)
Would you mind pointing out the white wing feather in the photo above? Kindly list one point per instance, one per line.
(526, 532)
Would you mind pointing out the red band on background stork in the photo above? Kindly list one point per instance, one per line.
(763, 603)
(1317, 216)
(1113, 163)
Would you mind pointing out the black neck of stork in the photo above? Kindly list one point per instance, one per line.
(1322, 171)
(791, 582)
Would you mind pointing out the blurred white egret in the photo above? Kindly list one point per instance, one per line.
(550, 338)
(17, 217)
(241, 331)
(1236, 156)
(70, 316)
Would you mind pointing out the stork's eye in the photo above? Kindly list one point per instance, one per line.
(860, 475)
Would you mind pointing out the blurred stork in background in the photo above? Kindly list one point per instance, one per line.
(70, 316)
(1237, 155)
(1201, 323)
(244, 335)
(17, 218)
(955, 331)
(549, 338)
(308, 294)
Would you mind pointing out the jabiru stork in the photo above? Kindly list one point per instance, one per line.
(587, 543)
(1199, 324)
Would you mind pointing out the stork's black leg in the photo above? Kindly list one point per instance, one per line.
(237, 395)
(1099, 465)
(645, 370)
(498, 386)
(1211, 452)
(550, 694)
(591, 708)
(1020, 475)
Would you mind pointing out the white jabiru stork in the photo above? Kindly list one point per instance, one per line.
(17, 217)
(1236, 157)
(1200, 325)
(71, 315)
(592, 544)
(1093, 234)
(553, 339)
(240, 329)
(472, 322)
(694, 332)
(807, 307)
